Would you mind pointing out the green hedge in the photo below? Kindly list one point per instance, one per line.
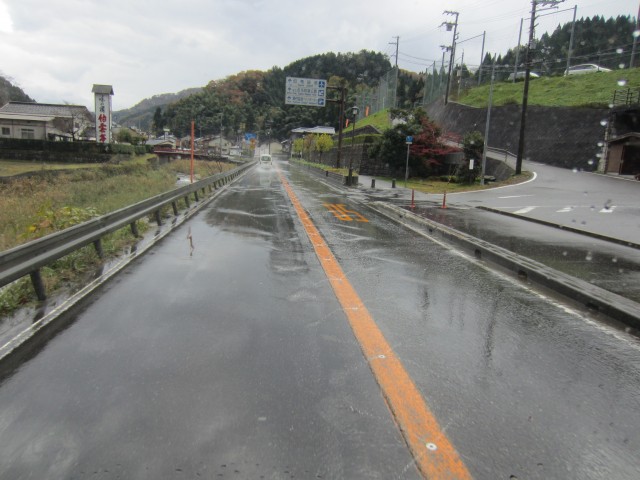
(90, 148)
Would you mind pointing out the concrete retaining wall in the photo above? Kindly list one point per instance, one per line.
(560, 136)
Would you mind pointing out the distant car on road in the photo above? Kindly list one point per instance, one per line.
(521, 75)
(265, 160)
(585, 68)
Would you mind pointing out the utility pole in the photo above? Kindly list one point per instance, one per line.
(395, 85)
(573, 29)
(635, 41)
(343, 92)
(515, 67)
(484, 35)
(461, 73)
(527, 75)
(449, 26)
(488, 122)
(221, 134)
(444, 50)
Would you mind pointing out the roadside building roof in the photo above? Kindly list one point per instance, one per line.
(47, 109)
(104, 89)
(319, 130)
(33, 118)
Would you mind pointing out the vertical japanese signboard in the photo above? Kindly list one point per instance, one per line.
(103, 112)
(103, 118)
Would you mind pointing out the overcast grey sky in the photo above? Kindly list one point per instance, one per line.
(56, 50)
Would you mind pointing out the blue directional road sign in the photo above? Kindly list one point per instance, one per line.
(310, 92)
(409, 140)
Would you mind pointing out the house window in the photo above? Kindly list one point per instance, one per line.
(6, 131)
(28, 133)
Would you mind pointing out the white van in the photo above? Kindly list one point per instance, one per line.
(265, 160)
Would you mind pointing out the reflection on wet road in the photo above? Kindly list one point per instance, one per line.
(239, 362)
(610, 266)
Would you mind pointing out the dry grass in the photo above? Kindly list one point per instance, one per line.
(36, 206)
(104, 188)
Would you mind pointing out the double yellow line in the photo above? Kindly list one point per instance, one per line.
(434, 454)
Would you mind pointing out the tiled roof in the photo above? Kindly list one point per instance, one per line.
(327, 130)
(104, 89)
(28, 108)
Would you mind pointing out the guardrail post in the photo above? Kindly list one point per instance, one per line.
(38, 285)
(174, 205)
(195, 195)
(158, 217)
(98, 246)
(134, 229)
(186, 201)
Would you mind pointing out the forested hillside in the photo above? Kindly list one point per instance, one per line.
(11, 92)
(253, 101)
(606, 42)
(141, 114)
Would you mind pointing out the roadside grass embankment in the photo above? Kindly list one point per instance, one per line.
(588, 90)
(35, 206)
(322, 166)
(439, 185)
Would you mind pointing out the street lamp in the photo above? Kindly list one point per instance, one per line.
(354, 114)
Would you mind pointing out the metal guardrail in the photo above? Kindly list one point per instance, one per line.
(29, 258)
(506, 153)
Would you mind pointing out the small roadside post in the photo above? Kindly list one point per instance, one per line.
(408, 141)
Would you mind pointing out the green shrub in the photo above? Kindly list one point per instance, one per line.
(120, 148)
(449, 178)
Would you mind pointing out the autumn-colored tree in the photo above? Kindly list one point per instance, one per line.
(308, 144)
(323, 143)
(427, 152)
(298, 146)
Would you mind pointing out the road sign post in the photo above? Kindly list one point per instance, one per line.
(309, 92)
(408, 141)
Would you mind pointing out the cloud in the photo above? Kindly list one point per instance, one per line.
(6, 24)
(57, 50)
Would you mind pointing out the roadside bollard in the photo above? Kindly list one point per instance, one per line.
(413, 205)
(393, 183)
(373, 183)
(444, 200)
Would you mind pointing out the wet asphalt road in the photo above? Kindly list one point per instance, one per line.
(587, 201)
(608, 265)
(237, 362)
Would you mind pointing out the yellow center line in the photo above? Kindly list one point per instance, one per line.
(434, 454)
